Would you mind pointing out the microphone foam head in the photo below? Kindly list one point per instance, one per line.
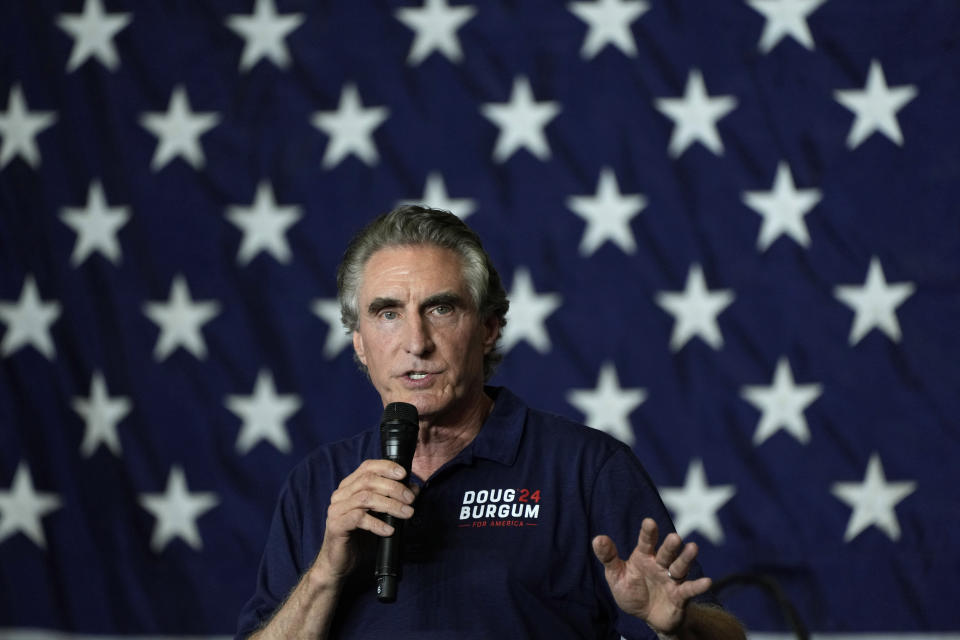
(400, 412)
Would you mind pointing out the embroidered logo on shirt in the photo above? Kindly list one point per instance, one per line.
(500, 508)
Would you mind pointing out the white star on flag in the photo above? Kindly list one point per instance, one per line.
(177, 511)
(695, 310)
(328, 310)
(782, 403)
(22, 507)
(694, 506)
(101, 414)
(608, 214)
(264, 224)
(93, 32)
(608, 406)
(873, 501)
(785, 18)
(875, 107)
(19, 127)
(178, 131)
(263, 32)
(521, 122)
(264, 413)
(28, 321)
(96, 226)
(435, 196)
(609, 23)
(180, 320)
(783, 209)
(875, 303)
(435, 24)
(526, 319)
(350, 128)
(695, 116)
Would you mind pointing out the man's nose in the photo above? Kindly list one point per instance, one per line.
(418, 337)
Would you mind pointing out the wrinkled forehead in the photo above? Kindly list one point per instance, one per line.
(422, 268)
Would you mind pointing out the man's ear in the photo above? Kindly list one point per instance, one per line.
(491, 334)
(358, 347)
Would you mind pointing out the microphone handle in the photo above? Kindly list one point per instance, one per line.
(388, 550)
(398, 442)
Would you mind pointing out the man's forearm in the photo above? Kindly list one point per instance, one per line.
(705, 622)
(307, 612)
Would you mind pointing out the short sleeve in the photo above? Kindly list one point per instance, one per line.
(623, 495)
(280, 566)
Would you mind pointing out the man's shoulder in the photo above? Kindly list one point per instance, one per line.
(568, 432)
(563, 431)
(552, 441)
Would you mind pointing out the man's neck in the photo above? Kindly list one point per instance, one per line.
(439, 443)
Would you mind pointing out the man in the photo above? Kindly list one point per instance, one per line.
(513, 516)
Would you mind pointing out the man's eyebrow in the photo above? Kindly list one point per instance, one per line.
(448, 298)
(379, 304)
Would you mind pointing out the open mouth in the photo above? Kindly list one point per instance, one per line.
(413, 375)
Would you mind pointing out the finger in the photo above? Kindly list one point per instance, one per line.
(681, 565)
(370, 468)
(647, 539)
(375, 525)
(370, 482)
(342, 524)
(605, 550)
(669, 550)
(395, 502)
(369, 500)
(694, 588)
(386, 468)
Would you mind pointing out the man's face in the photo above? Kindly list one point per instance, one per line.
(419, 334)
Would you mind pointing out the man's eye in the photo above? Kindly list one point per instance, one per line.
(442, 309)
(388, 315)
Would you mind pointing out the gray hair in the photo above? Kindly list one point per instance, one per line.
(413, 225)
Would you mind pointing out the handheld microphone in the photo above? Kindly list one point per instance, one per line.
(398, 440)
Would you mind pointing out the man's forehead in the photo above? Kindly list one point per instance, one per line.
(427, 267)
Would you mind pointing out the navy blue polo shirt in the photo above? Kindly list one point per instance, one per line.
(499, 545)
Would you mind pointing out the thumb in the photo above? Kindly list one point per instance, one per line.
(605, 550)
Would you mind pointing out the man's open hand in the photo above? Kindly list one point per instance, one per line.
(651, 583)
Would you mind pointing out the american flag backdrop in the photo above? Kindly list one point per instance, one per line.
(730, 231)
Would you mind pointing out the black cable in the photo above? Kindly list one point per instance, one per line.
(772, 588)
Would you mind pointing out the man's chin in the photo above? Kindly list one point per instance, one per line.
(427, 407)
(425, 402)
